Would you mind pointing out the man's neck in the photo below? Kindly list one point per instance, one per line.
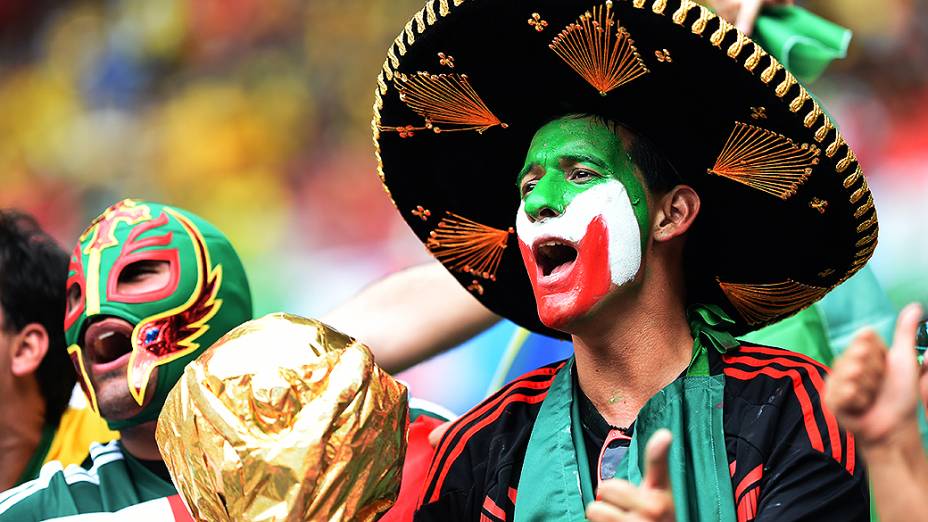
(22, 417)
(642, 346)
(140, 442)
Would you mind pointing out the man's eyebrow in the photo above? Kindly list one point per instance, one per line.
(584, 158)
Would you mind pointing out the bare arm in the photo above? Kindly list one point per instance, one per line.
(412, 315)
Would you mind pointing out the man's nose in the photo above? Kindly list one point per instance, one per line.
(546, 200)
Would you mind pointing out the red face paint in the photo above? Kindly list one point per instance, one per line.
(572, 289)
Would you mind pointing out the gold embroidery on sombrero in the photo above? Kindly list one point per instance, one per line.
(663, 56)
(422, 212)
(765, 160)
(467, 246)
(600, 50)
(442, 99)
(759, 303)
(819, 204)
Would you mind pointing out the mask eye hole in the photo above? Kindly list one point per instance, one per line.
(143, 277)
(75, 294)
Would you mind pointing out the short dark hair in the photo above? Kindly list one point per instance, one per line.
(33, 274)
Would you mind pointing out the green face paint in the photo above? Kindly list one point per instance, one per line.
(581, 219)
(561, 151)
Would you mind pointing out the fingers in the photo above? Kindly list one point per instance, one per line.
(620, 500)
(600, 511)
(747, 14)
(857, 376)
(436, 434)
(657, 474)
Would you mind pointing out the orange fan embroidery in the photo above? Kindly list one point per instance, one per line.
(599, 50)
(765, 160)
(443, 99)
(759, 303)
(466, 246)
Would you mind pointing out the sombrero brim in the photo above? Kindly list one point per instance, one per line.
(786, 213)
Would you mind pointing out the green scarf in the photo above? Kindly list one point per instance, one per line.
(689, 407)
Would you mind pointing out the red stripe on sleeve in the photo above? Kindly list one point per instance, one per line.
(781, 352)
(480, 410)
(808, 414)
(459, 447)
(753, 476)
(493, 509)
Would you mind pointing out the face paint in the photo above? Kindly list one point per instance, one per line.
(202, 294)
(579, 231)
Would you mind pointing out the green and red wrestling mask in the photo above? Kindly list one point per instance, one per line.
(149, 288)
(583, 219)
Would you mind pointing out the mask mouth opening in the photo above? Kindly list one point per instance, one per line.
(553, 254)
(107, 340)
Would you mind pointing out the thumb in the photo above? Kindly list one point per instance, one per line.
(747, 15)
(903, 348)
(657, 472)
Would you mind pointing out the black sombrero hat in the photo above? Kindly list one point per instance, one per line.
(786, 214)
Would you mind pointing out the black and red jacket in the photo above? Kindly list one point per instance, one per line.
(788, 459)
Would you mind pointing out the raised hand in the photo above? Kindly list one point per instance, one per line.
(873, 391)
(652, 501)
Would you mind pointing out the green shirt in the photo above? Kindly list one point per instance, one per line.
(114, 481)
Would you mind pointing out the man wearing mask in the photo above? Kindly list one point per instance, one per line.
(149, 287)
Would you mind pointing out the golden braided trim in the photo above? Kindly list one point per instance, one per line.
(679, 16)
(846, 162)
(822, 131)
(719, 35)
(430, 12)
(700, 24)
(867, 223)
(659, 6)
(868, 238)
(735, 49)
(861, 210)
(464, 245)
(599, 50)
(799, 101)
(765, 160)
(443, 8)
(752, 62)
(832, 149)
(785, 85)
(812, 117)
(850, 180)
(760, 303)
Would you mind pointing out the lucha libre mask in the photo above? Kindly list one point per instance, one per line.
(205, 295)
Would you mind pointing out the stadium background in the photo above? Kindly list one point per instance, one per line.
(255, 114)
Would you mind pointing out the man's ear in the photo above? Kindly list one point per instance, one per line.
(28, 349)
(675, 213)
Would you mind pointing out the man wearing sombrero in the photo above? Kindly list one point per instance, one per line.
(642, 177)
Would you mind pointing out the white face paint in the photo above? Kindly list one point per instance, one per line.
(608, 199)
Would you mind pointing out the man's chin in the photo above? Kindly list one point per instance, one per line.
(560, 314)
(116, 403)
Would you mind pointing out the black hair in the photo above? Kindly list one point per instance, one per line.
(33, 274)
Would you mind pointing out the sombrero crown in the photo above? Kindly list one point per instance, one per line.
(786, 213)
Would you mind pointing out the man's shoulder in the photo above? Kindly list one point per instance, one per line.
(491, 435)
(773, 402)
(70, 490)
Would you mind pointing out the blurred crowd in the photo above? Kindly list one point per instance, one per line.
(256, 115)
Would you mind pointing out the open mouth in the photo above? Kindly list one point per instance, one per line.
(107, 340)
(552, 254)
